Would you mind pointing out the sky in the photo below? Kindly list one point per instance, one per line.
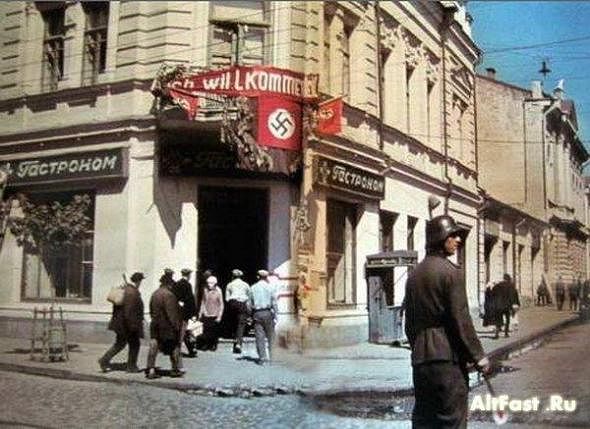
(516, 36)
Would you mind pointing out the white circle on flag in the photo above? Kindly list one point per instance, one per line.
(281, 124)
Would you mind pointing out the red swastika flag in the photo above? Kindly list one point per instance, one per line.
(330, 117)
(279, 122)
(188, 102)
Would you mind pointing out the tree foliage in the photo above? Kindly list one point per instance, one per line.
(53, 225)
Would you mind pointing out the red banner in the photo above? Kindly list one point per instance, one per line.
(330, 117)
(188, 102)
(279, 123)
(250, 81)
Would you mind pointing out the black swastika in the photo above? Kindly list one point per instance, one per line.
(281, 123)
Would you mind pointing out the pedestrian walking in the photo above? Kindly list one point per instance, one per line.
(210, 313)
(574, 290)
(559, 293)
(263, 302)
(504, 295)
(237, 295)
(165, 326)
(184, 293)
(489, 313)
(127, 323)
(542, 292)
(440, 331)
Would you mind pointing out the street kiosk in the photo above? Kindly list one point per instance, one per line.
(385, 294)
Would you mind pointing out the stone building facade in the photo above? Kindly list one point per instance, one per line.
(530, 167)
(76, 87)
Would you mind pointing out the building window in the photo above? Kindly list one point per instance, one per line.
(345, 48)
(429, 103)
(409, 73)
(242, 41)
(386, 229)
(95, 40)
(64, 274)
(412, 221)
(53, 46)
(326, 76)
(341, 248)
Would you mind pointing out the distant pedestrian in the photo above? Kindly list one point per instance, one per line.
(559, 293)
(574, 290)
(263, 302)
(210, 313)
(184, 293)
(440, 331)
(489, 306)
(165, 326)
(237, 295)
(127, 323)
(542, 292)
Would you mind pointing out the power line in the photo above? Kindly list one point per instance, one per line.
(537, 45)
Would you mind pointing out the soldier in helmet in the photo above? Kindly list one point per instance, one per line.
(440, 331)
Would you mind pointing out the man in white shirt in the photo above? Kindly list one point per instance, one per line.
(237, 295)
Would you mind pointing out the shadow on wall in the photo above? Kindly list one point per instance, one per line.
(168, 201)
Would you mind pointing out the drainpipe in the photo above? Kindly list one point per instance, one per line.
(379, 71)
(524, 145)
(448, 15)
(587, 258)
(515, 226)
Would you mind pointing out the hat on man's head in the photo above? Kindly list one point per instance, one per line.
(237, 273)
(168, 271)
(137, 276)
(186, 271)
(262, 273)
(211, 280)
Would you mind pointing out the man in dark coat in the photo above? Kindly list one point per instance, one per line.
(127, 323)
(559, 293)
(165, 326)
(505, 296)
(440, 331)
(184, 293)
(574, 290)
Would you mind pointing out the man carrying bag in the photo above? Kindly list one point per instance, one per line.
(127, 323)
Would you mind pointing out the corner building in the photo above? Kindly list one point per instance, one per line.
(76, 91)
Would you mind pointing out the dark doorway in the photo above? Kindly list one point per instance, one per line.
(233, 230)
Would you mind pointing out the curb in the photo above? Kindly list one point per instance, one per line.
(507, 351)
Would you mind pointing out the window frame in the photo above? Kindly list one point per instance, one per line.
(350, 215)
(86, 266)
(53, 46)
(91, 34)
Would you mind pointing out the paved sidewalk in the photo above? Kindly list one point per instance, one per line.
(360, 367)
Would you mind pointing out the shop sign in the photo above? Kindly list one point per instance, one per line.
(72, 166)
(342, 176)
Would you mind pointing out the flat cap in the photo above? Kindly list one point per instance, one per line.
(237, 273)
(262, 273)
(186, 271)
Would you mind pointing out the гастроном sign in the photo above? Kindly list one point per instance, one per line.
(338, 175)
(82, 165)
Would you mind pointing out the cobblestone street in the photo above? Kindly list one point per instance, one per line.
(31, 401)
(559, 367)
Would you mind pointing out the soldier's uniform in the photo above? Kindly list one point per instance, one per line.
(441, 334)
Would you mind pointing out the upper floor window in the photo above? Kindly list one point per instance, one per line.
(95, 40)
(53, 44)
(241, 40)
(345, 47)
